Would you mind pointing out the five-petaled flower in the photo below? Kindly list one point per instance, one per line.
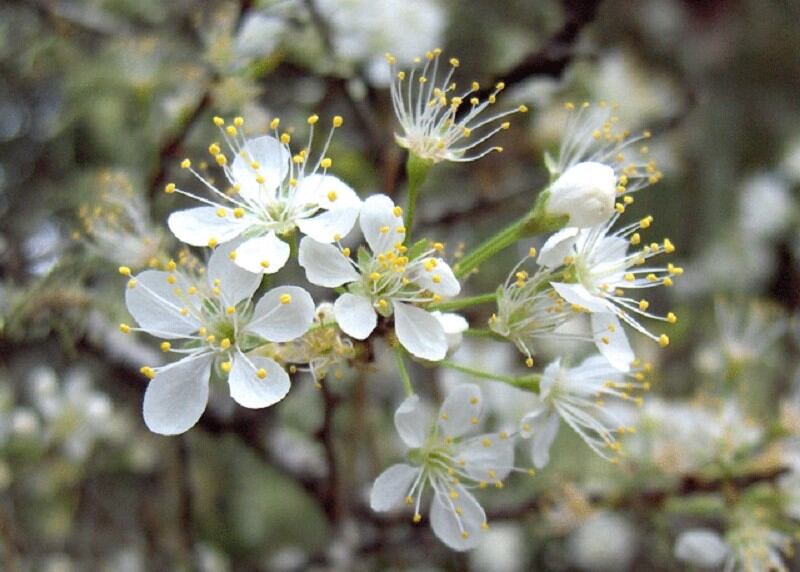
(389, 279)
(211, 314)
(596, 272)
(436, 123)
(443, 458)
(577, 395)
(272, 193)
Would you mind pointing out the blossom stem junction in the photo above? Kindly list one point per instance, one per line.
(417, 171)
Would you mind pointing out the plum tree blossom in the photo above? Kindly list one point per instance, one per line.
(577, 395)
(211, 313)
(441, 456)
(272, 193)
(389, 279)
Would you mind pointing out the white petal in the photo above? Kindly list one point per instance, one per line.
(461, 410)
(249, 390)
(177, 396)
(419, 332)
(329, 226)
(156, 307)
(392, 487)
(585, 192)
(701, 547)
(327, 191)
(413, 421)
(610, 339)
(201, 225)
(558, 246)
(439, 280)
(449, 526)
(273, 165)
(379, 224)
(325, 265)
(543, 439)
(266, 254)
(488, 455)
(280, 321)
(578, 294)
(454, 326)
(355, 315)
(235, 283)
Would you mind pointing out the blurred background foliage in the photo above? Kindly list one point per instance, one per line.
(101, 99)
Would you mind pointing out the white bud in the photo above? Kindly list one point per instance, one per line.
(585, 192)
(454, 326)
(701, 547)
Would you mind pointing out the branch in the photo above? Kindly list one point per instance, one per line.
(558, 51)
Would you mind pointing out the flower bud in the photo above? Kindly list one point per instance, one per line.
(585, 192)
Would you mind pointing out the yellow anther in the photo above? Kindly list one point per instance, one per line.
(663, 340)
(375, 276)
(226, 366)
(672, 318)
(274, 123)
(667, 282)
(337, 121)
(218, 121)
(238, 121)
(416, 518)
(221, 160)
(629, 277)
(165, 346)
(523, 109)
(171, 279)
(646, 222)
(505, 125)
(401, 230)
(261, 373)
(230, 310)
(185, 164)
(636, 238)
(454, 62)
(264, 264)
(170, 188)
(212, 242)
(225, 343)
(184, 312)
(669, 248)
(486, 442)
(346, 251)
(231, 130)
(125, 328)
(222, 213)
(214, 149)
(326, 163)
(397, 211)
(148, 372)
(286, 299)
(332, 196)
(312, 119)
(124, 270)
(383, 304)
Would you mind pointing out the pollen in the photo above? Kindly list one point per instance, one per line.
(286, 299)
(663, 340)
(147, 371)
(125, 328)
(165, 346)
(332, 196)
(170, 188)
(261, 373)
(226, 366)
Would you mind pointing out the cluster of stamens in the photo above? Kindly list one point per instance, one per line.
(439, 122)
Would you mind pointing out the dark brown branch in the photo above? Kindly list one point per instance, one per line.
(331, 499)
(558, 51)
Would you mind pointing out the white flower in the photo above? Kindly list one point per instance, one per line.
(766, 206)
(577, 395)
(428, 105)
(389, 280)
(585, 193)
(363, 30)
(597, 271)
(272, 193)
(528, 309)
(442, 458)
(211, 312)
(701, 547)
(118, 226)
(749, 547)
(604, 541)
(592, 135)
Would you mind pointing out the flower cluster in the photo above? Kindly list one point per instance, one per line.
(229, 317)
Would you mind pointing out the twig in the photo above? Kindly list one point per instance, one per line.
(558, 51)
(331, 501)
